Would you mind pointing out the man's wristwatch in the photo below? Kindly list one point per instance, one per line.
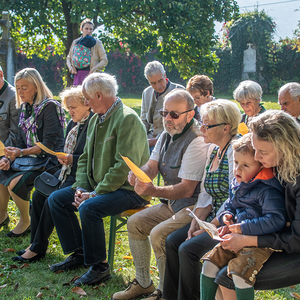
(21, 155)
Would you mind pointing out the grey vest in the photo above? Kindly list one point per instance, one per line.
(170, 162)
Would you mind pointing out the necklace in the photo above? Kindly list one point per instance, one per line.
(220, 155)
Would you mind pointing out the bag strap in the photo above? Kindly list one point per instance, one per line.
(81, 134)
(53, 167)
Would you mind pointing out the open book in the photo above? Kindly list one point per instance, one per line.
(211, 229)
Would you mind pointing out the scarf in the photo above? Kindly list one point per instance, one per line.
(69, 149)
(29, 125)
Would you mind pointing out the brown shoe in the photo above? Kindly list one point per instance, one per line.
(133, 291)
(156, 295)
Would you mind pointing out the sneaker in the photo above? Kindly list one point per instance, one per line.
(156, 295)
(133, 291)
(72, 262)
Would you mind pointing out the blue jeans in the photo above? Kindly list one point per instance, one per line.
(91, 237)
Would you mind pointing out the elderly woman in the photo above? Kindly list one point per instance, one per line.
(248, 94)
(276, 140)
(185, 247)
(41, 119)
(41, 221)
(201, 89)
(86, 55)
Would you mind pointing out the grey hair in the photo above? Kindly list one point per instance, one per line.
(104, 83)
(247, 90)
(183, 96)
(1, 69)
(152, 68)
(293, 88)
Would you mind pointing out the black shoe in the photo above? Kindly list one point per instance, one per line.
(21, 259)
(20, 252)
(11, 234)
(5, 222)
(72, 262)
(93, 276)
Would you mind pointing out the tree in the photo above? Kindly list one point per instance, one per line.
(182, 31)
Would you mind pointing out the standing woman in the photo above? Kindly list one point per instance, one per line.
(86, 55)
(41, 119)
(276, 140)
(185, 247)
(41, 220)
(248, 94)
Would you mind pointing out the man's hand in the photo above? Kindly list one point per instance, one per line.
(235, 228)
(223, 231)
(79, 197)
(131, 178)
(234, 242)
(4, 164)
(193, 229)
(144, 189)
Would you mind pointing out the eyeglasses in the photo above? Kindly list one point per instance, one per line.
(205, 127)
(174, 115)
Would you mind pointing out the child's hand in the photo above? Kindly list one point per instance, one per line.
(235, 228)
(223, 231)
(227, 219)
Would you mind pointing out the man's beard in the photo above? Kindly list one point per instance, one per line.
(177, 129)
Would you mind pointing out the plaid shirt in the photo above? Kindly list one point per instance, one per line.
(217, 182)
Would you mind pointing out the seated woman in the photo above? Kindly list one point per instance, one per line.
(41, 220)
(248, 94)
(276, 140)
(86, 55)
(41, 119)
(201, 88)
(184, 247)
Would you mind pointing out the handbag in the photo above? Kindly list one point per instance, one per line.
(46, 183)
(23, 164)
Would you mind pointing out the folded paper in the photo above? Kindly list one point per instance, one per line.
(50, 151)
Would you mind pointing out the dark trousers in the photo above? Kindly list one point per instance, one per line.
(183, 267)
(91, 235)
(41, 221)
(281, 270)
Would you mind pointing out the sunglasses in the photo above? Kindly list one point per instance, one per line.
(205, 127)
(174, 115)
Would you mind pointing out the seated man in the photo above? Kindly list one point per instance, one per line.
(8, 113)
(153, 99)
(180, 156)
(289, 99)
(101, 188)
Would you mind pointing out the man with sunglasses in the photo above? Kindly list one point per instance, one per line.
(153, 98)
(180, 156)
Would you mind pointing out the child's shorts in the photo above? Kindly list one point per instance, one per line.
(246, 263)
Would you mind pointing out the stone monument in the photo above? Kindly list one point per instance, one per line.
(249, 61)
(7, 49)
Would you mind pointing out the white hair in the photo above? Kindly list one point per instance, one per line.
(293, 88)
(104, 83)
(247, 90)
(154, 67)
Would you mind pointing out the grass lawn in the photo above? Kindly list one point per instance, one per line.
(25, 282)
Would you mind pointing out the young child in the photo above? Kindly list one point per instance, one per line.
(255, 207)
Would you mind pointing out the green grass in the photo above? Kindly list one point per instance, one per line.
(27, 282)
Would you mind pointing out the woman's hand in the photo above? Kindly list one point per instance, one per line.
(12, 152)
(65, 159)
(4, 164)
(73, 70)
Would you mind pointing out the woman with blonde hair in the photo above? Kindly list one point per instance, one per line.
(41, 221)
(185, 247)
(41, 119)
(86, 55)
(276, 140)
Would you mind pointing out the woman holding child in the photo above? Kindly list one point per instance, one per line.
(276, 140)
(185, 247)
(41, 119)
(41, 221)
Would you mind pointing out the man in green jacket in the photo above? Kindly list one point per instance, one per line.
(101, 188)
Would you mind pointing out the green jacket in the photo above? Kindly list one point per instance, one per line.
(122, 132)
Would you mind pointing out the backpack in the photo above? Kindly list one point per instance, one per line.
(81, 56)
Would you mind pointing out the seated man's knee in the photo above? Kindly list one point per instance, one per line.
(133, 224)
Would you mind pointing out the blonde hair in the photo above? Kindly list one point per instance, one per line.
(34, 77)
(74, 92)
(283, 131)
(223, 111)
(86, 21)
(248, 90)
(243, 144)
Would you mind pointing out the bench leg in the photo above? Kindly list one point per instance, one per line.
(112, 241)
